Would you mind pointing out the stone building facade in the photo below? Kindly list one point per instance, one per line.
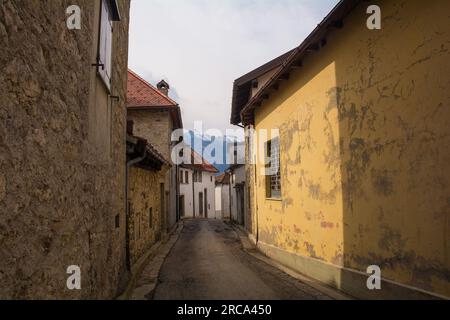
(62, 133)
(145, 193)
(144, 210)
(155, 117)
(363, 173)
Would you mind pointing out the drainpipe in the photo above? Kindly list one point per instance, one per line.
(230, 197)
(256, 203)
(177, 193)
(193, 195)
(127, 222)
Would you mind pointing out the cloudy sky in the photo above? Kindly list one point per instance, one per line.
(201, 46)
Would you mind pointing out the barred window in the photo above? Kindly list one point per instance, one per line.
(273, 176)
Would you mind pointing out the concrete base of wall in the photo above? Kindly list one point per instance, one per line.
(352, 282)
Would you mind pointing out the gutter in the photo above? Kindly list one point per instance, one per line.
(332, 20)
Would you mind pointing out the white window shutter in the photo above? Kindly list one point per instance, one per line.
(105, 45)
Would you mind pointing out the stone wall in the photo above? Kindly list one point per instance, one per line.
(156, 128)
(58, 197)
(144, 198)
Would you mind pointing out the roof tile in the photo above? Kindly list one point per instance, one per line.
(143, 94)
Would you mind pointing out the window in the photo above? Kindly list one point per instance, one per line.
(105, 44)
(187, 177)
(197, 176)
(181, 176)
(273, 180)
(109, 13)
(117, 221)
(211, 178)
(150, 218)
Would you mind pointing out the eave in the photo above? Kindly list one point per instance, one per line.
(313, 43)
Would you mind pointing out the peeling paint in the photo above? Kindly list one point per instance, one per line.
(325, 225)
(363, 133)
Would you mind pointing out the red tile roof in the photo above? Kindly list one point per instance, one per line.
(224, 178)
(205, 165)
(143, 94)
(198, 162)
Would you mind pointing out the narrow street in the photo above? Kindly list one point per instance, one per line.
(224, 150)
(207, 262)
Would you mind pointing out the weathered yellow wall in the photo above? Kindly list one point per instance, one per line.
(144, 193)
(365, 163)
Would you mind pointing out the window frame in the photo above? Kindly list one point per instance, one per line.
(269, 177)
(105, 44)
(109, 13)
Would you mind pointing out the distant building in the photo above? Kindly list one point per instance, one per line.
(223, 196)
(238, 196)
(197, 188)
(239, 193)
(155, 117)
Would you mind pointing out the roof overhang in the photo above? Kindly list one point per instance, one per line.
(139, 148)
(174, 110)
(242, 87)
(313, 43)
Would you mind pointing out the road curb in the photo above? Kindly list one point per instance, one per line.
(253, 250)
(134, 291)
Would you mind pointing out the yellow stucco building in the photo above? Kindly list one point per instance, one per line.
(363, 119)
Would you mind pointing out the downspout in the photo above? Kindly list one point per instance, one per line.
(127, 218)
(230, 197)
(193, 195)
(256, 204)
(177, 193)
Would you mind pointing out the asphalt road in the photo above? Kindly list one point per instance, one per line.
(208, 263)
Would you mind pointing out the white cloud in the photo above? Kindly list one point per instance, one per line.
(201, 46)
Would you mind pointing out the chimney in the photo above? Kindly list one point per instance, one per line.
(163, 87)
